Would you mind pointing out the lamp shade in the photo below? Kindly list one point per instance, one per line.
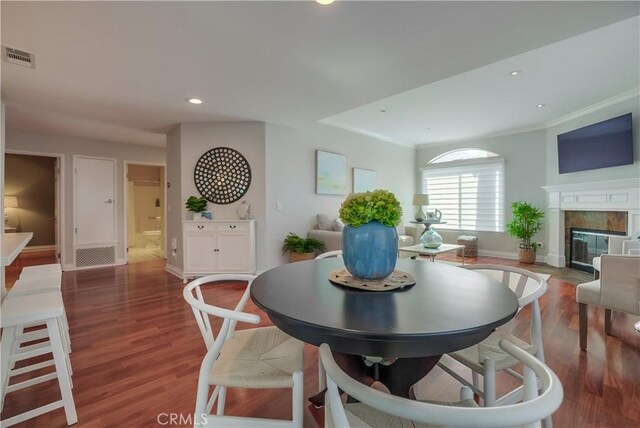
(420, 199)
(11, 202)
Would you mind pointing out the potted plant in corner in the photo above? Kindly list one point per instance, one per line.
(526, 222)
(197, 206)
(370, 238)
(301, 248)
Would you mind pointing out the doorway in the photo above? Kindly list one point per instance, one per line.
(144, 212)
(33, 198)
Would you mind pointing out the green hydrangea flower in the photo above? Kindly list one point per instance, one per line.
(380, 205)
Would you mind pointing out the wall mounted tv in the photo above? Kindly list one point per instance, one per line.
(601, 145)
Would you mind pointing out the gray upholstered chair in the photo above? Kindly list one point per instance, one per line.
(618, 289)
(379, 409)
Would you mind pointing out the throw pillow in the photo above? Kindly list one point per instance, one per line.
(338, 226)
(324, 222)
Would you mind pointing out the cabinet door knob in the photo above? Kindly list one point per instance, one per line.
(232, 226)
(200, 227)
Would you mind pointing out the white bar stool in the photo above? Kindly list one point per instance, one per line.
(41, 270)
(41, 284)
(35, 309)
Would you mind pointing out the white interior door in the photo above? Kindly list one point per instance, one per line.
(94, 203)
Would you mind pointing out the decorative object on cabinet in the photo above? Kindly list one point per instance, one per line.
(526, 222)
(370, 238)
(197, 206)
(364, 180)
(244, 210)
(331, 173)
(301, 248)
(419, 200)
(218, 246)
(222, 175)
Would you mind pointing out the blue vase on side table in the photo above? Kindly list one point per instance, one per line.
(370, 251)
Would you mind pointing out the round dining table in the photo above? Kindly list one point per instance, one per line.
(447, 309)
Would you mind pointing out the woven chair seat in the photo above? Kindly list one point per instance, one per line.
(361, 415)
(258, 358)
(473, 356)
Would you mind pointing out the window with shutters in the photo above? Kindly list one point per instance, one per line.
(467, 185)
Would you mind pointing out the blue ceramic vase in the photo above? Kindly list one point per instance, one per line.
(370, 251)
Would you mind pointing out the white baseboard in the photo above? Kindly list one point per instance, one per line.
(507, 255)
(173, 270)
(70, 267)
(35, 248)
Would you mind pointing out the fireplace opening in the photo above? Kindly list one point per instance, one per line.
(587, 244)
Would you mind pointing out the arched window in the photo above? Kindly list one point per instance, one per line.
(467, 185)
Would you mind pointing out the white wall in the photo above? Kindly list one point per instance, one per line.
(174, 199)
(2, 136)
(624, 171)
(525, 164)
(69, 146)
(290, 177)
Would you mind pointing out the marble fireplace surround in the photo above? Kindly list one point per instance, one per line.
(612, 195)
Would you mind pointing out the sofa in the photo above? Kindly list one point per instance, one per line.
(329, 231)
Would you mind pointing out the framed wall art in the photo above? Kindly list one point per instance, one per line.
(364, 180)
(331, 173)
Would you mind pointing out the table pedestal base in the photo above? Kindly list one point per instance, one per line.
(398, 377)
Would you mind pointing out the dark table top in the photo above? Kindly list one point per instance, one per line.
(448, 308)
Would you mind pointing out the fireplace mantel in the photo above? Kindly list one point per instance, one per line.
(610, 195)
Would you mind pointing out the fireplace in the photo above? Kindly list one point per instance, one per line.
(585, 244)
(614, 203)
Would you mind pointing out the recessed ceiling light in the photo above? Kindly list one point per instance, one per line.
(324, 2)
(194, 100)
(383, 111)
(427, 129)
(515, 72)
(540, 105)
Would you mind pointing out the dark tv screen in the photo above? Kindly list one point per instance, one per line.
(601, 145)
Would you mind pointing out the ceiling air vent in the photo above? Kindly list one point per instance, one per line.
(18, 57)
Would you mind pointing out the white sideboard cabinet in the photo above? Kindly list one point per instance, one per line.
(218, 246)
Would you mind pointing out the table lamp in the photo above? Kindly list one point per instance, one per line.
(9, 202)
(420, 199)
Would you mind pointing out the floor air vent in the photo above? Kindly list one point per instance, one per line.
(18, 57)
(94, 257)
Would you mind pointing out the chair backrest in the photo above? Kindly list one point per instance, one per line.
(629, 245)
(620, 283)
(528, 287)
(533, 409)
(192, 293)
(615, 244)
(335, 253)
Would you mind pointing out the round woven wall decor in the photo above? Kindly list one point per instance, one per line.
(222, 175)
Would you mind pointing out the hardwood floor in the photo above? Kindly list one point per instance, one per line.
(137, 352)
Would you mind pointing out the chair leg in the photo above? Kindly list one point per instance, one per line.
(489, 382)
(298, 400)
(58, 351)
(222, 397)
(8, 343)
(582, 318)
(608, 316)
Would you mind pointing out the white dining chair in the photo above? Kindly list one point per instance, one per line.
(256, 358)
(486, 357)
(335, 253)
(379, 409)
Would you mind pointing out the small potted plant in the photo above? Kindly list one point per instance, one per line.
(197, 206)
(301, 248)
(526, 222)
(370, 238)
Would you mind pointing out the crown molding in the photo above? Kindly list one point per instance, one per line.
(595, 107)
